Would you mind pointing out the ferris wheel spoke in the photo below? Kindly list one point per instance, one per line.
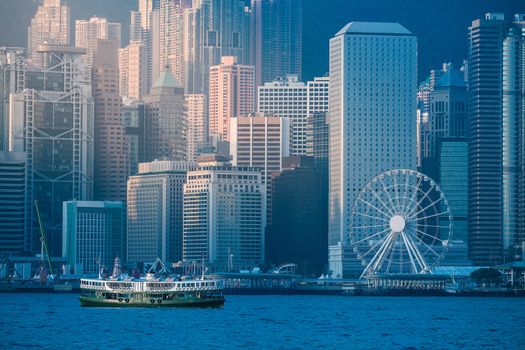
(374, 235)
(409, 251)
(375, 245)
(426, 234)
(413, 196)
(431, 216)
(396, 193)
(374, 207)
(417, 253)
(427, 246)
(372, 261)
(416, 206)
(385, 189)
(428, 206)
(385, 249)
(371, 226)
(371, 217)
(381, 201)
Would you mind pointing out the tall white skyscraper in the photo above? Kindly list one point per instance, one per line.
(88, 31)
(372, 118)
(50, 25)
(133, 70)
(296, 100)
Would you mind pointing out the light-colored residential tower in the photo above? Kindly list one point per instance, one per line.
(50, 25)
(133, 71)
(88, 31)
(155, 212)
(372, 114)
(232, 94)
(224, 216)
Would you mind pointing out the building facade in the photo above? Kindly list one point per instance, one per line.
(224, 216)
(93, 235)
(51, 119)
(15, 205)
(155, 206)
(276, 39)
(133, 114)
(372, 121)
(232, 94)
(133, 71)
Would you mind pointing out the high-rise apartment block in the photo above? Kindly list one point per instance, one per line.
(133, 70)
(297, 101)
(232, 94)
(15, 206)
(197, 118)
(224, 216)
(276, 39)
(166, 124)
(93, 235)
(213, 29)
(111, 160)
(50, 25)
(496, 156)
(372, 113)
(88, 31)
(155, 205)
(51, 119)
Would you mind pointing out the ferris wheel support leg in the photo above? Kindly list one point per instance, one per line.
(409, 251)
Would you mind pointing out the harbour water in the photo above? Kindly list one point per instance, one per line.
(56, 321)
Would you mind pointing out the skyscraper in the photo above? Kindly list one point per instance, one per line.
(485, 147)
(111, 162)
(133, 71)
(155, 207)
(133, 115)
(88, 31)
(93, 232)
(295, 100)
(166, 124)
(232, 94)
(371, 118)
(213, 29)
(224, 216)
(51, 119)
(50, 25)
(197, 118)
(276, 39)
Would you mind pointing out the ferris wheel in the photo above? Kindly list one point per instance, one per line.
(401, 223)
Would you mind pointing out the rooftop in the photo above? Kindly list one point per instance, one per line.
(166, 80)
(374, 28)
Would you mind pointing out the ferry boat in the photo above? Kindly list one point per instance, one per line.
(151, 291)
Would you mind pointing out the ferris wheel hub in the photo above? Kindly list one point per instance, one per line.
(397, 223)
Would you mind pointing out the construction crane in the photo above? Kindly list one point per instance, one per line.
(43, 244)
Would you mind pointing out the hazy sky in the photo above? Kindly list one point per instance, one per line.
(440, 25)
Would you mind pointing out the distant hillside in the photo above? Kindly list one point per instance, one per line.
(440, 25)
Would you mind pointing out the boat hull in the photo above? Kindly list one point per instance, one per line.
(209, 302)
